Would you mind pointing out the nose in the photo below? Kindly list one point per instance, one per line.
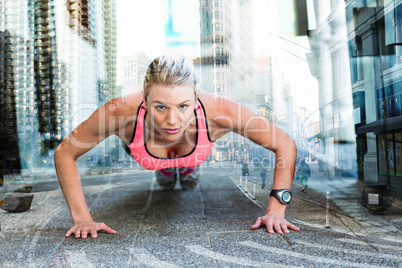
(173, 117)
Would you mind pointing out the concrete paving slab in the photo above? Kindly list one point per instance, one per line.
(208, 226)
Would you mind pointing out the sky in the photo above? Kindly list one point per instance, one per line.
(141, 27)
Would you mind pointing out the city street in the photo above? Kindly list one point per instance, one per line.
(208, 226)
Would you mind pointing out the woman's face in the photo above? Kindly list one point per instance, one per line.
(171, 109)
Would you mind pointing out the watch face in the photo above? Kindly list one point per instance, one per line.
(286, 197)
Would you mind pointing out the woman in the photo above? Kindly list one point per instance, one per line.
(169, 121)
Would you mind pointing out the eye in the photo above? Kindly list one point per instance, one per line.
(183, 107)
(160, 107)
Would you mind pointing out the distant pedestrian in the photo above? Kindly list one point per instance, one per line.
(303, 172)
(263, 171)
(244, 169)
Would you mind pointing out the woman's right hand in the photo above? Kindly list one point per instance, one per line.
(83, 228)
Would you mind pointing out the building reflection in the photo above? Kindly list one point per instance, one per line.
(355, 58)
(58, 63)
(227, 62)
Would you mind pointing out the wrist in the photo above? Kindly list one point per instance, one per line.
(82, 217)
(274, 206)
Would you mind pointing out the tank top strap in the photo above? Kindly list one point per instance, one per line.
(200, 116)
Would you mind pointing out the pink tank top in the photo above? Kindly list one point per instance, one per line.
(198, 155)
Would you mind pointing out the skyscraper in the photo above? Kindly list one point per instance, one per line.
(227, 49)
(57, 63)
(133, 69)
(227, 56)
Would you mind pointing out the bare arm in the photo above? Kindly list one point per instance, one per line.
(100, 125)
(232, 116)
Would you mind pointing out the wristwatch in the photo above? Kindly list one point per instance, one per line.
(284, 196)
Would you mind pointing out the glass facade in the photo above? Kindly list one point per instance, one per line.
(58, 64)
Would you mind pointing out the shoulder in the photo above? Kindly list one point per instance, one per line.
(220, 112)
(224, 112)
(216, 105)
(125, 106)
(121, 113)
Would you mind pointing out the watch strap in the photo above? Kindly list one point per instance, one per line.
(278, 194)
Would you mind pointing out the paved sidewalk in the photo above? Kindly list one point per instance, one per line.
(340, 194)
(208, 226)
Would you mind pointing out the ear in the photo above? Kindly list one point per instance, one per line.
(143, 99)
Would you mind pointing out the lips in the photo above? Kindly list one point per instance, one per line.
(172, 130)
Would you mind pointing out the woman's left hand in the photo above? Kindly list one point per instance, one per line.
(274, 221)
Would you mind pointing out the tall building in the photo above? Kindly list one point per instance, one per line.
(376, 76)
(55, 71)
(133, 69)
(19, 118)
(109, 15)
(360, 84)
(329, 64)
(110, 90)
(227, 49)
(264, 86)
(227, 56)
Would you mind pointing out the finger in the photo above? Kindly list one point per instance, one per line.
(69, 232)
(77, 234)
(278, 228)
(270, 227)
(84, 234)
(293, 227)
(285, 228)
(107, 229)
(94, 233)
(257, 223)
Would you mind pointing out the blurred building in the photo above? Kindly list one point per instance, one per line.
(110, 24)
(227, 58)
(197, 70)
(301, 129)
(57, 65)
(264, 87)
(355, 58)
(329, 63)
(133, 69)
(376, 67)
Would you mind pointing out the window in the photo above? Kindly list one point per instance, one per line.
(216, 14)
(218, 88)
(216, 26)
(216, 3)
(216, 38)
(217, 51)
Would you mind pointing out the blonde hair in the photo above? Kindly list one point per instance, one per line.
(169, 71)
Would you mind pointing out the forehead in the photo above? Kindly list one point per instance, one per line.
(171, 94)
